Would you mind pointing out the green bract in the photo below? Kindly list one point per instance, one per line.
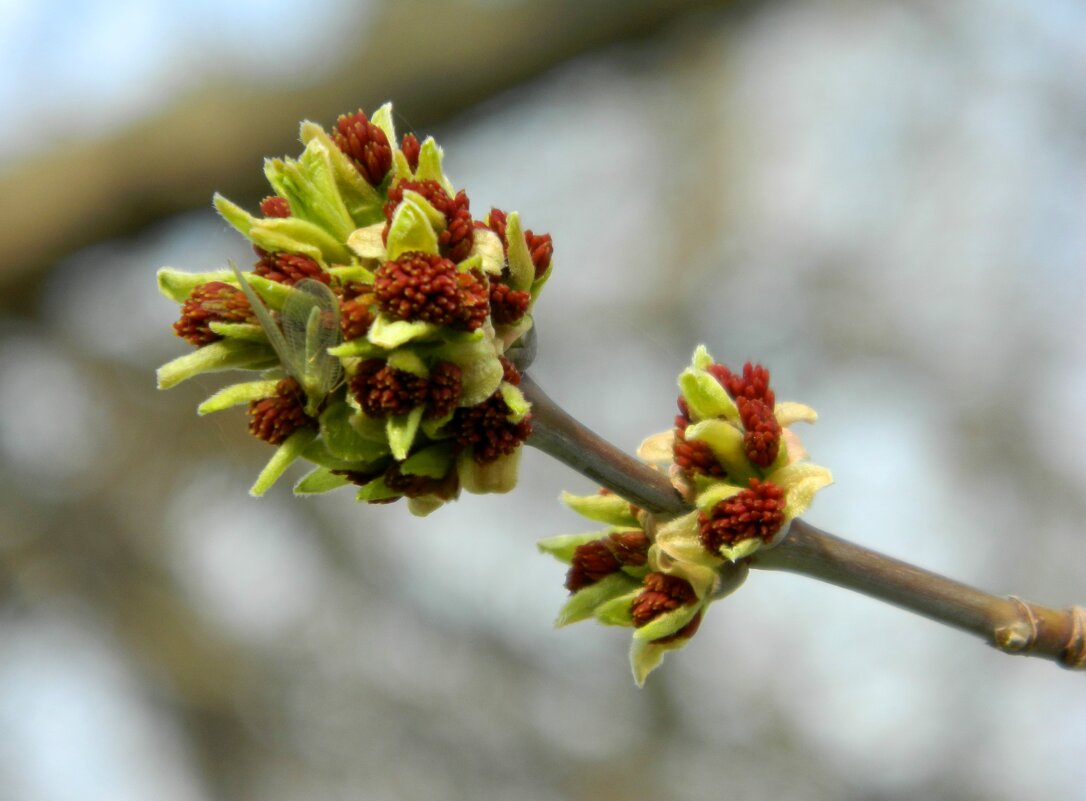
(374, 384)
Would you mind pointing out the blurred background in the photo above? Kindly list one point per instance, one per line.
(883, 201)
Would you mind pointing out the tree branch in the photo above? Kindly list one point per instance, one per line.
(1009, 624)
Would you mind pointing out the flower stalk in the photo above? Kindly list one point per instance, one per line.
(1007, 623)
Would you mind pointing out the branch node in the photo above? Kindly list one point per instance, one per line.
(1018, 636)
(1073, 655)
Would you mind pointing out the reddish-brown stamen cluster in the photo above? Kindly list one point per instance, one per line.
(213, 302)
(365, 144)
(487, 429)
(427, 287)
(507, 306)
(444, 390)
(755, 401)
(762, 439)
(410, 147)
(510, 373)
(597, 559)
(456, 240)
(753, 384)
(288, 268)
(356, 314)
(474, 298)
(276, 418)
(542, 248)
(382, 390)
(274, 206)
(693, 456)
(757, 511)
(662, 594)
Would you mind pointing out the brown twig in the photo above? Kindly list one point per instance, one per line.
(1009, 624)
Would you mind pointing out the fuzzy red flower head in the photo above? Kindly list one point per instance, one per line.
(213, 302)
(365, 144)
(276, 418)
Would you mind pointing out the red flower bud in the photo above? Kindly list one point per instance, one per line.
(274, 206)
(213, 302)
(754, 512)
(662, 594)
(289, 268)
(487, 429)
(410, 147)
(276, 418)
(365, 144)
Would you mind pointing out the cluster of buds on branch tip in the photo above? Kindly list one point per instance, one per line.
(384, 327)
(383, 322)
(380, 317)
(734, 458)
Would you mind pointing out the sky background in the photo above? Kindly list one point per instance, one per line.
(884, 202)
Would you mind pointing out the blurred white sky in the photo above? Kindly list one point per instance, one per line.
(80, 68)
(904, 192)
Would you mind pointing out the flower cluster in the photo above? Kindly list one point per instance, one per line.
(380, 315)
(733, 457)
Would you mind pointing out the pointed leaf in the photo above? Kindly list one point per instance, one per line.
(389, 333)
(343, 439)
(376, 490)
(515, 400)
(284, 457)
(360, 347)
(310, 187)
(704, 396)
(726, 443)
(583, 603)
(247, 332)
(382, 118)
(295, 235)
(680, 539)
(423, 505)
(645, 657)
(562, 546)
(432, 462)
(429, 168)
(369, 242)
(658, 448)
(363, 201)
(618, 611)
(319, 480)
(410, 231)
(178, 285)
(701, 360)
(408, 361)
(790, 412)
(716, 492)
(487, 245)
(742, 549)
(236, 394)
(226, 354)
(521, 268)
(401, 430)
(668, 623)
(613, 510)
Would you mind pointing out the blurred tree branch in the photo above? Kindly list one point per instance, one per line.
(86, 191)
